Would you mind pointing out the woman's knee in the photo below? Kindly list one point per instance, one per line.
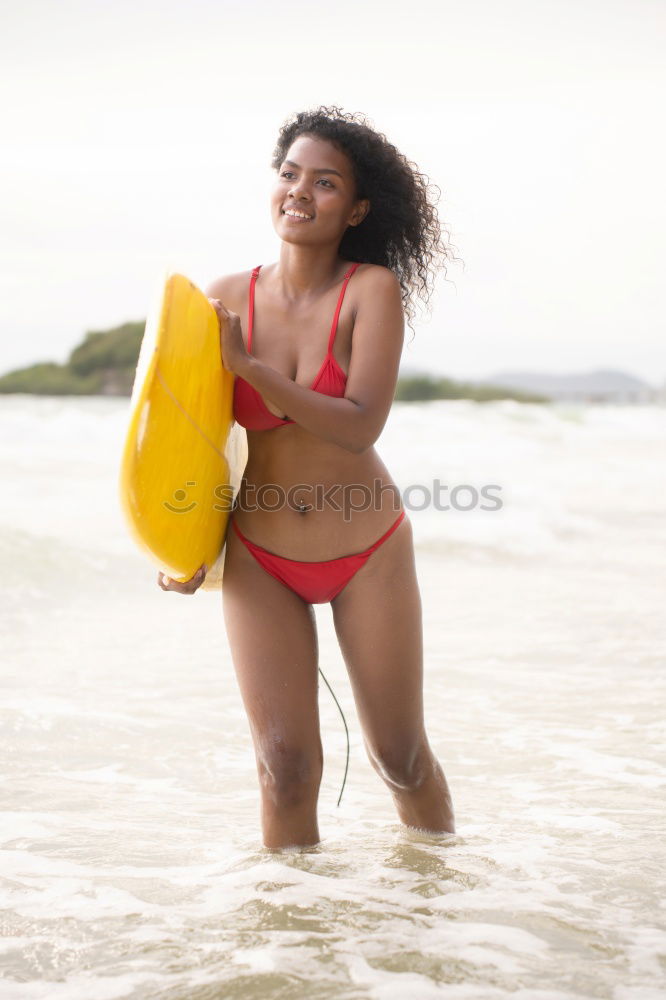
(289, 774)
(404, 767)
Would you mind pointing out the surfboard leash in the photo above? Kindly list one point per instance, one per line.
(346, 732)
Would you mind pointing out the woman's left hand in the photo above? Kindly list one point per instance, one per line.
(232, 347)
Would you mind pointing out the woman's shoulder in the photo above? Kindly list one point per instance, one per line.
(374, 283)
(229, 287)
(377, 275)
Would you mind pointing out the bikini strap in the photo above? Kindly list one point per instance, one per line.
(250, 307)
(334, 325)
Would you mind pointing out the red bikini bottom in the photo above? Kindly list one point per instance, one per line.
(315, 582)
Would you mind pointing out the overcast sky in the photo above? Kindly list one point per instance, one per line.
(137, 137)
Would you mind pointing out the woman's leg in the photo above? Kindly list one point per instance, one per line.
(273, 643)
(378, 623)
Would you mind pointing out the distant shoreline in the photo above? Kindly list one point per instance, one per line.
(104, 364)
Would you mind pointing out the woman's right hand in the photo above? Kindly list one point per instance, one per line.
(187, 586)
(232, 347)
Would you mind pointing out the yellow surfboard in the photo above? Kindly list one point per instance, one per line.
(184, 456)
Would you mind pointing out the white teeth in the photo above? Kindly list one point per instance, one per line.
(297, 215)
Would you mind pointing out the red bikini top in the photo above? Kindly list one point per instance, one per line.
(250, 411)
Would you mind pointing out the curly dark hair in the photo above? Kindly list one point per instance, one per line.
(402, 230)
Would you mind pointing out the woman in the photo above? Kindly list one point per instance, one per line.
(316, 365)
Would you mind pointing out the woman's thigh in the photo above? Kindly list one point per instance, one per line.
(378, 623)
(273, 642)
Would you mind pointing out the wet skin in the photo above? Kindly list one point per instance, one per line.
(377, 616)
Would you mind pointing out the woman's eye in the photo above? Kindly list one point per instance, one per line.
(290, 173)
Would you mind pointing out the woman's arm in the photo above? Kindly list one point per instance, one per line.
(355, 421)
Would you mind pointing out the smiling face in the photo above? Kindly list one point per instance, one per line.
(314, 198)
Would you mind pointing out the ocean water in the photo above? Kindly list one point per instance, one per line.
(131, 857)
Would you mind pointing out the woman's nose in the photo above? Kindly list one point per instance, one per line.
(299, 189)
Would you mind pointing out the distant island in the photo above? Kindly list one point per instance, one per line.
(104, 363)
(603, 385)
(422, 387)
